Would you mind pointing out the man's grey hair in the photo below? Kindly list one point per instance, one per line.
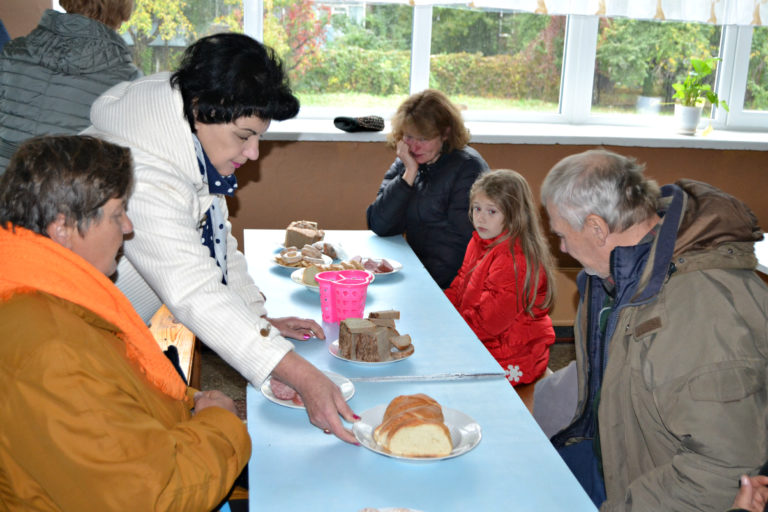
(602, 183)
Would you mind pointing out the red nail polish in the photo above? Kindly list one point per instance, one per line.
(356, 416)
(306, 336)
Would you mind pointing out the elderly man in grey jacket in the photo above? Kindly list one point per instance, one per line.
(671, 341)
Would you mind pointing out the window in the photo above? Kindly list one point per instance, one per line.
(491, 60)
(637, 62)
(352, 57)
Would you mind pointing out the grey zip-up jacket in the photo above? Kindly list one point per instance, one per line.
(50, 77)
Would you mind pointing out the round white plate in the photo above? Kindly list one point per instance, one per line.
(465, 433)
(396, 267)
(297, 275)
(345, 385)
(333, 348)
(326, 261)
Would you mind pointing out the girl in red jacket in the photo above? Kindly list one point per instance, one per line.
(503, 288)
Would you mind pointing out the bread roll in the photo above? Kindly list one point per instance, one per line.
(413, 426)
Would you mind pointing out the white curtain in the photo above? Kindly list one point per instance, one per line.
(720, 12)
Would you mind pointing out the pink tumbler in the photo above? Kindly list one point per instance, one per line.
(342, 293)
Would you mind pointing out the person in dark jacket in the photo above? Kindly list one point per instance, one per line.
(4, 37)
(50, 77)
(425, 193)
(671, 346)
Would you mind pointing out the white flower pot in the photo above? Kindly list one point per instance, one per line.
(687, 119)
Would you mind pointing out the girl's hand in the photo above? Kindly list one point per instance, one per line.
(411, 167)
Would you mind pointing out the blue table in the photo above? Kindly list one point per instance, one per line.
(295, 466)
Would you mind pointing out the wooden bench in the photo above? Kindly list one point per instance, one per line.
(168, 331)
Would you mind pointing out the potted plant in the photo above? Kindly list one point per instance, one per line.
(691, 94)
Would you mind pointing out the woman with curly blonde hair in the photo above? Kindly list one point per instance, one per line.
(425, 193)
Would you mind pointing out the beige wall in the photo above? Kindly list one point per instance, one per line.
(334, 182)
(21, 16)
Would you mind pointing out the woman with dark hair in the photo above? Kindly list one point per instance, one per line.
(188, 133)
(425, 193)
(94, 416)
(50, 77)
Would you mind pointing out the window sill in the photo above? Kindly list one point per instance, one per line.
(660, 135)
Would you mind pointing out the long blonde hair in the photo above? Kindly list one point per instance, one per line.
(511, 193)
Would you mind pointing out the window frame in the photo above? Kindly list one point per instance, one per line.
(577, 76)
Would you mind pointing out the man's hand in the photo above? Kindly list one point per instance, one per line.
(322, 398)
(297, 328)
(214, 398)
(753, 494)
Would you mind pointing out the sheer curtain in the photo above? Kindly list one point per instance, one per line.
(720, 12)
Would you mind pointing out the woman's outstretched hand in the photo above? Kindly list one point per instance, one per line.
(297, 328)
(322, 398)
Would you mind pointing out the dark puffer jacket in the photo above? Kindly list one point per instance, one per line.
(50, 77)
(433, 213)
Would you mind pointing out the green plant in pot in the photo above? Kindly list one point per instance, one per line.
(692, 93)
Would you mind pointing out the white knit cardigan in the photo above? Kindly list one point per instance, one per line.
(165, 261)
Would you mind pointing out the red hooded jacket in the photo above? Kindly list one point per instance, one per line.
(487, 292)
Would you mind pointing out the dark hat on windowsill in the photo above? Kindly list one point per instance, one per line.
(359, 124)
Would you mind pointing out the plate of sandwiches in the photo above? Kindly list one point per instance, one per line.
(396, 356)
(307, 256)
(372, 341)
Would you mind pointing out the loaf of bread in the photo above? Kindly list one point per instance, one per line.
(362, 340)
(373, 339)
(302, 232)
(413, 426)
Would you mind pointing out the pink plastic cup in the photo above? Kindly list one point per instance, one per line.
(342, 293)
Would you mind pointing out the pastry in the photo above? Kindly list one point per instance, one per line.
(327, 248)
(312, 252)
(308, 276)
(302, 232)
(413, 426)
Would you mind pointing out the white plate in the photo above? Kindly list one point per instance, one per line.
(333, 348)
(396, 266)
(296, 278)
(465, 433)
(345, 385)
(326, 261)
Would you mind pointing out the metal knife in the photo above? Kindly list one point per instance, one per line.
(439, 376)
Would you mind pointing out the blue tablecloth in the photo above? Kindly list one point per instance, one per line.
(295, 466)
